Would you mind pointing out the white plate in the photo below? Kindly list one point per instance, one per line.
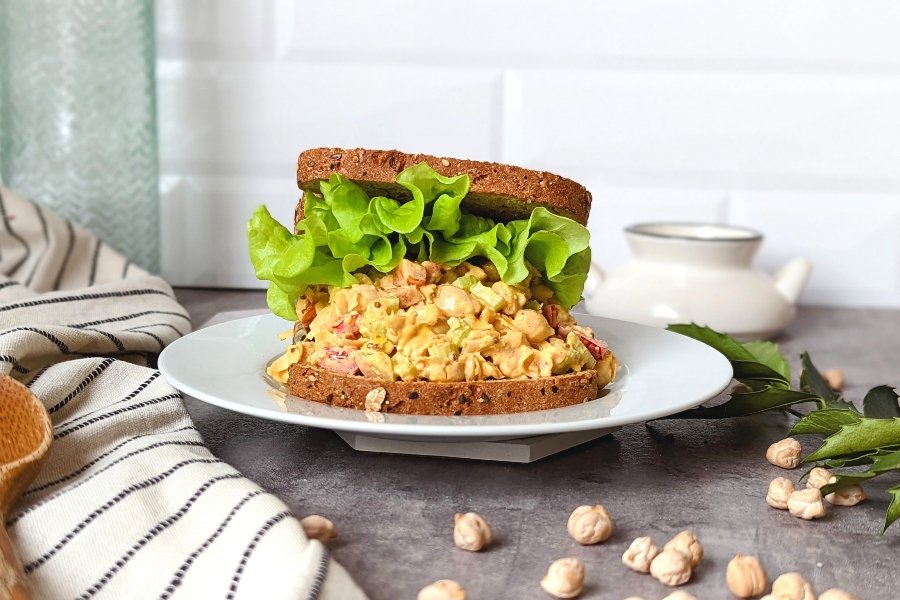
(662, 373)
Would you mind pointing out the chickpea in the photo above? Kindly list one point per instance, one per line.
(848, 496)
(792, 586)
(455, 302)
(687, 543)
(834, 378)
(640, 555)
(671, 567)
(784, 453)
(564, 578)
(836, 594)
(819, 477)
(806, 504)
(471, 532)
(680, 595)
(443, 589)
(533, 325)
(590, 524)
(541, 292)
(514, 298)
(477, 272)
(745, 576)
(780, 489)
(319, 528)
(491, 271)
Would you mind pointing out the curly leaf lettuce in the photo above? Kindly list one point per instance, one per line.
(344, 230)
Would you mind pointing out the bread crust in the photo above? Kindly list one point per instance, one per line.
(502, 192)
(479, 397)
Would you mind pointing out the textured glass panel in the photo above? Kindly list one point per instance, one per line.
(78, 115)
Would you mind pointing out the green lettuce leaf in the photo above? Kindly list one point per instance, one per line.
(344, 230)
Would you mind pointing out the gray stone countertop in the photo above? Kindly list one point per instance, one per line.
(395, 513)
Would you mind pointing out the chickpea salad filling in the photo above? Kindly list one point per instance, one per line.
(431, 322)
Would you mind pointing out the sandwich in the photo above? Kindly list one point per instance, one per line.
(431, 285)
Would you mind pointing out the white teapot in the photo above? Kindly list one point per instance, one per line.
(702, 273)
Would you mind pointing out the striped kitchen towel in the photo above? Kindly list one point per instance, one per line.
(130, 503)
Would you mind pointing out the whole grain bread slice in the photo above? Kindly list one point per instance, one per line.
(502, 192)
(484, 397)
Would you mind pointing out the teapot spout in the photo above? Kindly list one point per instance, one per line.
(791, 278)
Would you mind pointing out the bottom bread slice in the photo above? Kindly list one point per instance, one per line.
(484, 397)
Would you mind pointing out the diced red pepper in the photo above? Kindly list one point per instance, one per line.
(595, 347)
(551, 313)
(348, 327)
(339, 361)
(308, 314)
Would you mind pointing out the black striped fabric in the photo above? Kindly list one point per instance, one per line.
(130, 502)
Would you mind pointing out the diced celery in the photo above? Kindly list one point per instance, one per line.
(466, 281)
(459, 330)
(375, 364)
(489, 297)
(579, 354)
(441, 350)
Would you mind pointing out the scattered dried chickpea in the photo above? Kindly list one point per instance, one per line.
(564, 578)
(780, 490)
(745, 576)
(443, 589)
(680, 595)
(792, 586)
(640, 554)
(848, 496)
(317, 527)
(785, 453)
(590, 524)
(687, 543)
(471, 532)
(834, 378)
(671, 567)
(806, 504)
(836, 594)
(819, 477)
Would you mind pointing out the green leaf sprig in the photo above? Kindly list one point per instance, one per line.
(858, 445)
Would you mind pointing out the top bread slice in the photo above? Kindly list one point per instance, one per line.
(502, 192)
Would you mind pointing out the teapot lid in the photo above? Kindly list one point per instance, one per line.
(706, 232)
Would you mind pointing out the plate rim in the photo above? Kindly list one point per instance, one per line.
(448, 430)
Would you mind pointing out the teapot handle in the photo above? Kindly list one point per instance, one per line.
(595, 279)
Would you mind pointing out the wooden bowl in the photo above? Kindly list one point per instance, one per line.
(25, 436)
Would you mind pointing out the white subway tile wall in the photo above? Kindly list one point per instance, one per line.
(780, 117)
